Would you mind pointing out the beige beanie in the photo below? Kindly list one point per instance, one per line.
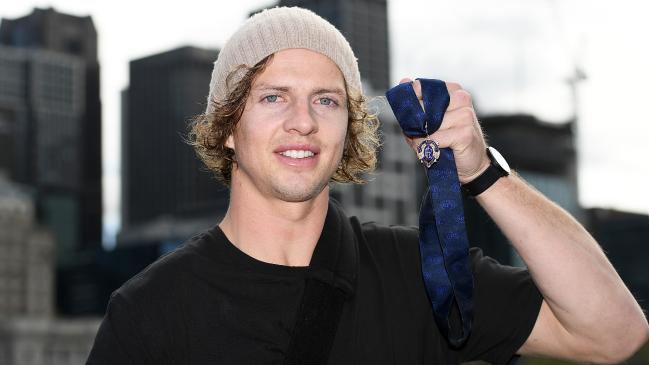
(276, 29)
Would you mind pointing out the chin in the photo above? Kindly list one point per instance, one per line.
(297, 194)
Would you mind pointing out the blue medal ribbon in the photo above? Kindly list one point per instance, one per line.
(443, 241)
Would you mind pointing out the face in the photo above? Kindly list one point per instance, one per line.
(291, 135)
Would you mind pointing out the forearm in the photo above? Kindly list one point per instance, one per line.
(579, 284)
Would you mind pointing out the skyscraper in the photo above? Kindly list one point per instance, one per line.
(166, 193)
(365, 25)
(624, 237)
(29, 331)
(26, 257)
(50, 115)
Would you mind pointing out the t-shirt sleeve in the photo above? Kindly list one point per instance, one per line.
(117, 340)
(507, 304)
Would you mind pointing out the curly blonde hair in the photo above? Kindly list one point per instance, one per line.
(209, 132)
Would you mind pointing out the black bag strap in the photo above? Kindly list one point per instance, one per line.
(330, 283)
(316, 324)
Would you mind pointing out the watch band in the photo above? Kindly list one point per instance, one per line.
(497, 168)
(483, 181)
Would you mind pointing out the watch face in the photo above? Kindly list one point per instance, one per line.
(499, 160)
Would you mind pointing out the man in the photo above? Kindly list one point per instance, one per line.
(287, 278)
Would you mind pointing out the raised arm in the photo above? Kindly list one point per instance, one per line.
(588, 314)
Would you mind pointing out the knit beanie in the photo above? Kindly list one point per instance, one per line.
(273, 30)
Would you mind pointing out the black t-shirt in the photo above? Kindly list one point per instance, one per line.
(209, 303)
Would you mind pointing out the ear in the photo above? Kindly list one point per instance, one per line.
(229, 143)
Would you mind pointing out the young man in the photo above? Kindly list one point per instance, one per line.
(287, 278)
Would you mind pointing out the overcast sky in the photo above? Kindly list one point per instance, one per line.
(514, 56)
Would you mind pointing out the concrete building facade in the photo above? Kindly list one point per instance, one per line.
(165, 187)
(30, 334)
(50, 117)
(26, 257)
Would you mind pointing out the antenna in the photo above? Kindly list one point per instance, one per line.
(573, 56)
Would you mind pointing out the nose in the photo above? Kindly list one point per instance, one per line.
(302, 119)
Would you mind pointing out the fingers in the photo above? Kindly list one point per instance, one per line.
(464, 116)
(416, 85)
(459, 130)
(455, 138)
(458, 96)
(459, 127)
(453, 86)
(460, 112)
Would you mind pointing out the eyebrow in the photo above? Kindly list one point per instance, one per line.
(338, 91)
(271, 87)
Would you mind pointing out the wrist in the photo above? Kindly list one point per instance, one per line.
(496, 168)
(484, 165)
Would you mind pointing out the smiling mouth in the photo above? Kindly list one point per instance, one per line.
(297, 154)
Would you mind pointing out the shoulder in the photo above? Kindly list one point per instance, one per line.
(378, 235)
(164, 277)
(390, 248)
(387, 239)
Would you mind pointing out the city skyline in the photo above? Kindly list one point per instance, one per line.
(514, 58)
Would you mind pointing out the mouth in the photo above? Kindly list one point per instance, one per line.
(298, 155)
(297, 151)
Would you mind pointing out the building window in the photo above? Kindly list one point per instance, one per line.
(74, 46)
(379, 202)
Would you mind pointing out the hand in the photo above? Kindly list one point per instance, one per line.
(459, 130)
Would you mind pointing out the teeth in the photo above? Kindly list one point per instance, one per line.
(297, 154)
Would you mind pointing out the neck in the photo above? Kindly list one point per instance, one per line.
(272, 230)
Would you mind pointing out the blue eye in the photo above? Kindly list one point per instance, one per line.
(327, 101)
(271, 98)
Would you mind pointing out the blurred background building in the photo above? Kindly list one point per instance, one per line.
(391, 194)
(26, 257)
(364, 23)
(29, 331)
(624, 237)
(167, 193)
(50, 180)
(51, 116)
